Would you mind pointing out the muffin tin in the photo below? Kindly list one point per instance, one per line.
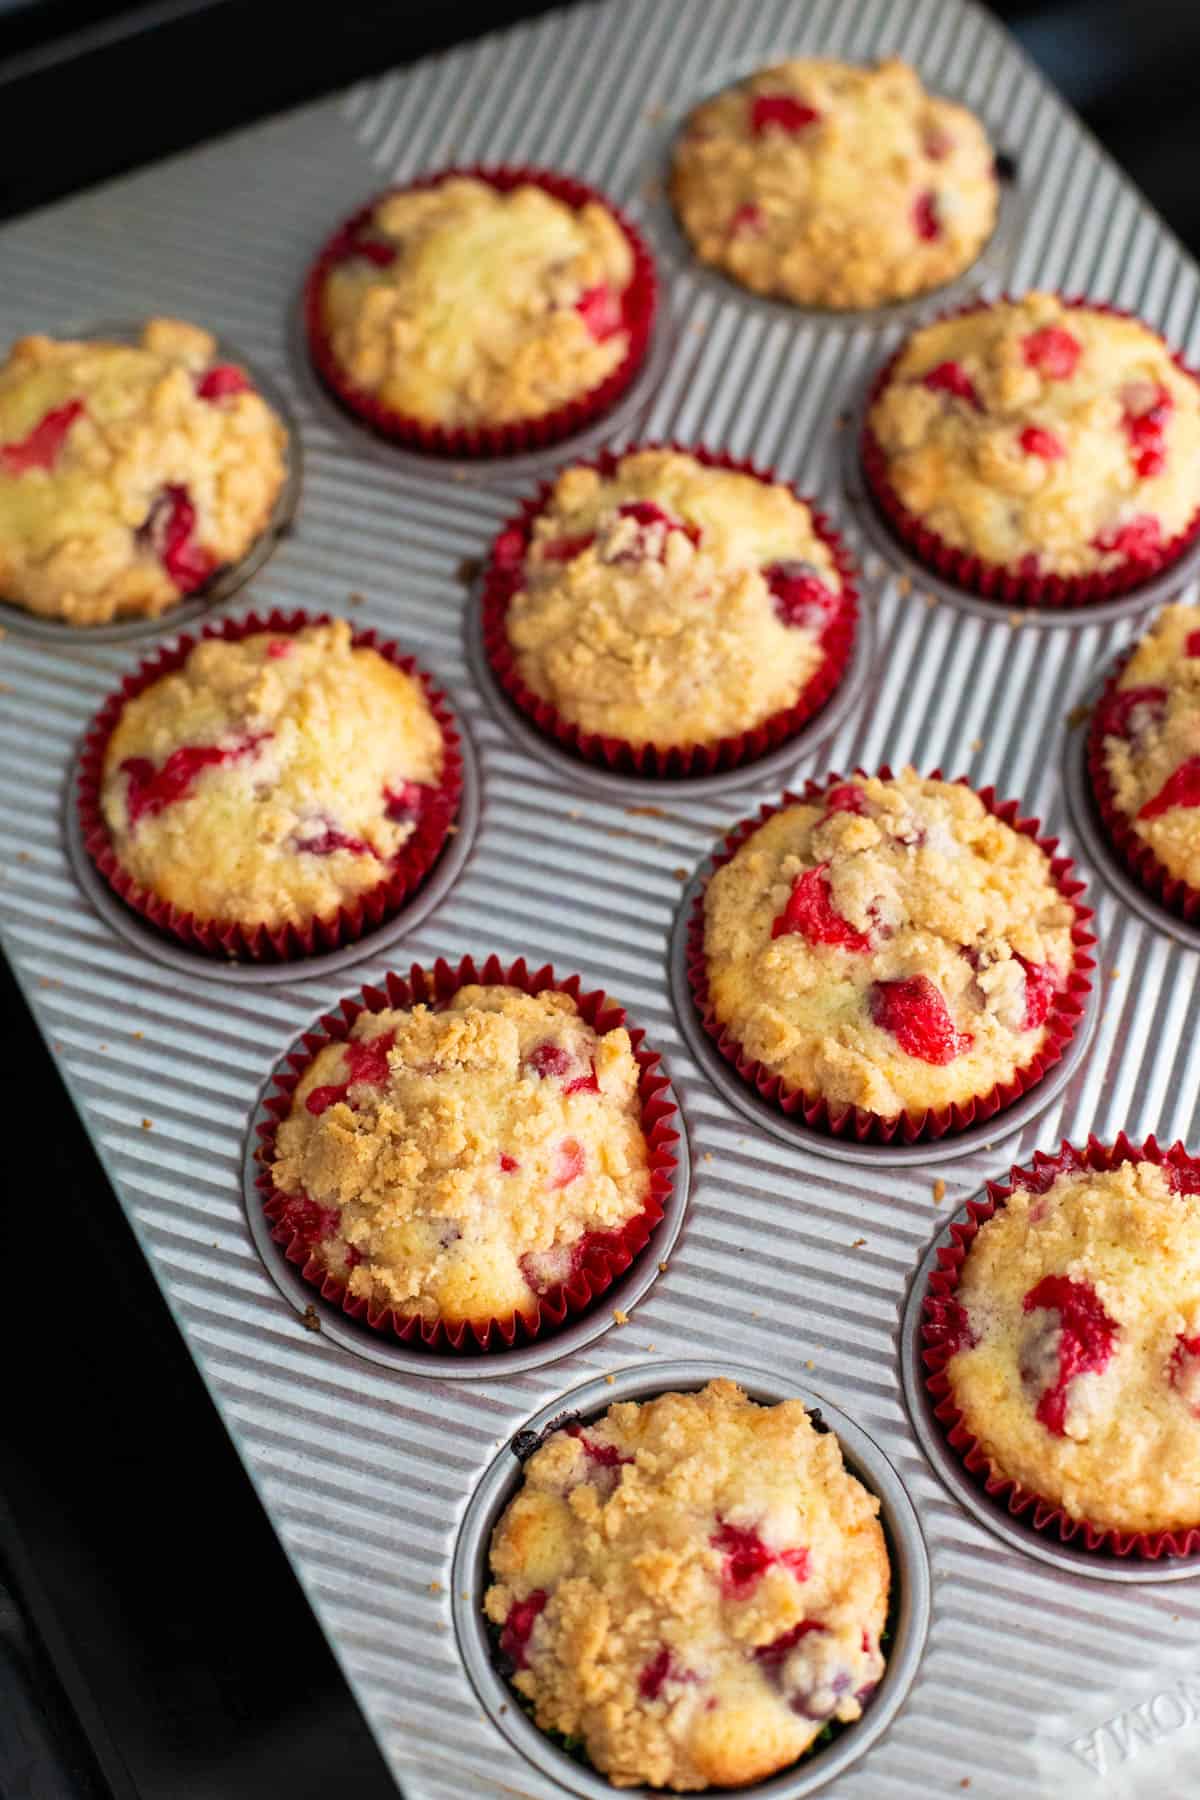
(1037, 1677)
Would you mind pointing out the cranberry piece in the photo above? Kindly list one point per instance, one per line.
(845, 798)
(926, 223)
(324, 843)
(747, 1558)
(809, 912)
(780, 112)
(600, 310)
(569, 1162)
(308, 1223)
(367, 1060)
(549, 1059)
(568, 548)
(508, 1163)
(150, 790)
(606, 1455)
(773, 1655)
(1181, 788)
(646, 513)
(747, 221)
(583, 1084)
(1086, 1335)
(518, 1627)
(1145, 421)
(1053, 352)
(278, 648)
(800, 596)
(1183, 1370)
(937, 143)
(1191, 646)
(222, 381)
(404, 804)
(917, 1016)
(167, 529)
(1041, 985)
(1035, 441)
(1120, 710)
(655, 1673)
(952, 378)
(39, 448)
(1139, 539)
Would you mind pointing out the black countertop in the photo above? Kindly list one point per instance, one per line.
(153, 1642)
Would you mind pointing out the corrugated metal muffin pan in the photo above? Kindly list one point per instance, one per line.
(1037, 1677)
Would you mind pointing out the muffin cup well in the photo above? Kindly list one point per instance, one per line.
(939, 1313)
(639, 308)
(856, 1122)
(260, 943)
(1139, 860)
(994, 581)
(607, 1254)
(503, 579)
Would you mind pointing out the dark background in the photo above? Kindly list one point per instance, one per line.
(153, 1643)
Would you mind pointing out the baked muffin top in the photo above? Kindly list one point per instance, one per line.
(890, 945)
(1079, 1326)
(1150, 729)
(458, 1163)
(672, 603)
(464, 305)
(129, 474)
(1044, 438)
(273, 780)
(693, 1585)
(831, 184)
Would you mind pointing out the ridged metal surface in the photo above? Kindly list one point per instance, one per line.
(788, 1261)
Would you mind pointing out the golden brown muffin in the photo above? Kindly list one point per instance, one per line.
(461, 1160)
(890, 945)
(129, 474)
(670, 602)
(1079, 1366)
(833, 185)
(467, 305)
(694, 1585)
(1043, 438)
(272, 780)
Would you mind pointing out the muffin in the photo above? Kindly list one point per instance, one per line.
(694, 1586)
(669, 604)
(274, 780)
(890, 948)
(479, 303)
(1047, 442)
(457, 1163)
(1144, 751)
(833, 185)
(1074, 1343)
(129, 474)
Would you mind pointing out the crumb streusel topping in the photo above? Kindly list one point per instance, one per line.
(1050, 439)
(833, 185)
(270, 781)
(129, 474)
(891, 945)
(694, 1585)
(458, 1163)
(1078, 1367)
(463, 305)
(1151, 739)
(671, 602)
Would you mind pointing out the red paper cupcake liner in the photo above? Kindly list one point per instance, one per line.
(1137, 858)
(503, 580)
(995, 581)
(260, 943)
(938, 1330)
(1062, 1022)
(639, 306)
(608, 1254)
